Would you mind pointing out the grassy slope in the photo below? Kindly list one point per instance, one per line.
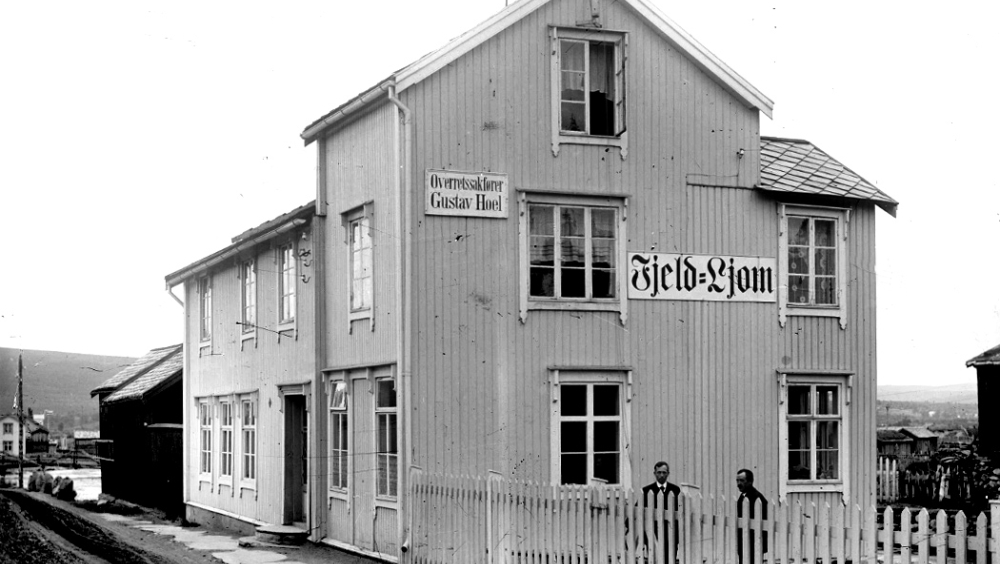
(57, 381)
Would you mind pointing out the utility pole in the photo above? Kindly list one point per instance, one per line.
(19, 399)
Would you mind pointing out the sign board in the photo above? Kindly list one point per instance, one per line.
(469, 194)
(660, 276)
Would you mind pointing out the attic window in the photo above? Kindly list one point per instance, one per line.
(588, 84)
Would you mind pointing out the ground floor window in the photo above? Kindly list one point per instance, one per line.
(813, 428)
(248, 431)
(205, 420)
(386, 447)
(338, 436)
(8, 446)
(589, 427)
(226, 440)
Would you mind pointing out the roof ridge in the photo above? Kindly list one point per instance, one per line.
(138, 374)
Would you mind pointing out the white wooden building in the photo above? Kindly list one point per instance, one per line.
(557, 249)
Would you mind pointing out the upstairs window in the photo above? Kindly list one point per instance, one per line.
(587, 87)
(248, 275)
(359, 225)
(286, 283)
(8, 428)
(588, 70)
(361, 265)
(205, 309)
(572, 252)
(812, 261)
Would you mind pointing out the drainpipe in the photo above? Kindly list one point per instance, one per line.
(185, 412)
(404, 180)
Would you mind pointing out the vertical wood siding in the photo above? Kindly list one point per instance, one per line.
(705, 387)
(360, 168)
(232, 366)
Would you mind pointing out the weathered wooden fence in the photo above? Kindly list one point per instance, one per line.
(462, 519)
(887, 480)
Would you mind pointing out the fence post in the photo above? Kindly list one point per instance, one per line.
(994, 541)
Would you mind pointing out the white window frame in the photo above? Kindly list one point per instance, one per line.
(620, 376)
(206, 453)
(620, 302)
(363, 215)
(339, 412)
(287, 285)
(226, 430)
(248, 299)
(843, 380)
(842, 217)
(620, 42)
(390, 458)
(205, 310)
(8, 446)
(249, 430)
(8, 428)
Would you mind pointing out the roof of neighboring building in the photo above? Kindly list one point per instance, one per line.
(244, 241)
(170, 368)
(86, 434)
(919, 432)
(436, 60)
(796, 165)
(891, 436)
(144, 363)
(990, 357)
(33, 427)
(30, 425)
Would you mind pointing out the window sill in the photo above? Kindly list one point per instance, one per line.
(205, 344)
(815, 311)
(226, 481)
(574, 305)
(837, 487)
(337, 493)
(245, 485)
(360, 314)
(248, 336)
(205, 479)
(563, 138)
(386, 501)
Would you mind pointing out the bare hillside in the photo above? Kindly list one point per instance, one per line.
(57, 381)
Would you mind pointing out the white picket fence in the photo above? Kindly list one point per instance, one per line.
(462, 520)
(886, 480)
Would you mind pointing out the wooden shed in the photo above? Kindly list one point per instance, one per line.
(987, 367)
(141, 431)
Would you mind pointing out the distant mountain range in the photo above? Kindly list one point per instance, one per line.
(955, 393)
(57, 381)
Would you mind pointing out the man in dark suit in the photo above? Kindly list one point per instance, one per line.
(749, 496)
(656, 491)
(661, 487)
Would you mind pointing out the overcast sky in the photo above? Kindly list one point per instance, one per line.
(137, 137)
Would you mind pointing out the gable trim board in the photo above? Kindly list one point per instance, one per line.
(437, 60)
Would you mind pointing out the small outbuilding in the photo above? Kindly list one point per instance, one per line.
(141, 430)
(987, 367)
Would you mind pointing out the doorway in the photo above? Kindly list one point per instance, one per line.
(296, 462)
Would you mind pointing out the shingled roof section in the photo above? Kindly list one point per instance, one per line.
(988, 358)
(167, 369)
(144, 363)
(796, 165)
